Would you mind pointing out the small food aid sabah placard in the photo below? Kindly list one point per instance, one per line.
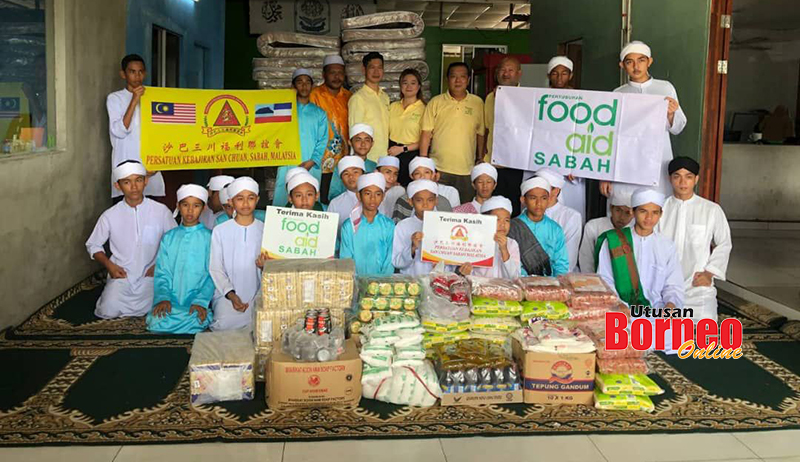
(294, 233)
(457, 238)
(184, 129)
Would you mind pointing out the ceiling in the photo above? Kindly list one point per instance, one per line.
(766, 14)
(474, 14)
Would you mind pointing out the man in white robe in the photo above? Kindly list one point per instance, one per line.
(569, 219)
(636, 59)
(621, 216)
(345, 203)
(133, 228)
(702, 236)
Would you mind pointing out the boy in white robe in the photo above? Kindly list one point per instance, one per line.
(424, 168)
(407, 242)
(569, 219)
(621, 215)
(636, 59)
(214, 209)
(484, 180)
(303, 189)
(350, 168)
(236, 259)
(389, 166)
(701, 234)
(133, 228)
(507, 263)
(659, 279)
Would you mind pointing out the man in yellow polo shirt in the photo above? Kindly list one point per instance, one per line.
(370, 105)
(453, 132)
(509, 180)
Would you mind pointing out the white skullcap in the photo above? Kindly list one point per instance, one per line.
(483, 169)
(420, 161)
(635, 47)
(555, 179)
(223, 196)
(349, 162)
(190, 190)
(644, 196)
(389, 161)
(298, 72)
(127, 169)
(535, 182)
(372, 179)
(301, 178)
(422, 185)
(243, 183)
(218, 182)
(497, 202)
(361, 128)
(620, 197)
(332, 59)
(293, 172)
(559, 61)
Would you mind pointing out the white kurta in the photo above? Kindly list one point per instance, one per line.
(390, 198)
(664, 88)
(208, 218)
(509, 269)
(450, 193)
(659, 271)
(134, 234)
(125, 141)
(570, 222)
(234, 251)
(592, 230)
(573, 195)
(697, 225)
(343, 204)
(401, 248)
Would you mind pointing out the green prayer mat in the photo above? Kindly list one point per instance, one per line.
(69, 378)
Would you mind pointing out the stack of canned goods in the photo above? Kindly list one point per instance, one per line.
(318, 321)
(313, 338)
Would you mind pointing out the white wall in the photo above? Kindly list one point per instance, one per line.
(757, 82)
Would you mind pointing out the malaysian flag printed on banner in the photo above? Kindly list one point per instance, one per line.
(270, 113)
(173, 113)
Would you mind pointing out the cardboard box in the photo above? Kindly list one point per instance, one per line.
(556, 378)
(485, 397)
(292, 384)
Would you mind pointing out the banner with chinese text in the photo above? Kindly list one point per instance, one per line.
(456, 238)
(187, 129)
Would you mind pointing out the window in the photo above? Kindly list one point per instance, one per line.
(166, 58)
(24, 78)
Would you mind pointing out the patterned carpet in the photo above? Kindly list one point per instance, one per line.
(69, 378)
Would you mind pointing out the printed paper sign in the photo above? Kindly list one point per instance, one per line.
(589, 134)
(202, 129)
(294, 233)
(456, 238)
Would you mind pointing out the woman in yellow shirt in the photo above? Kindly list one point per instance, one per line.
(405, 122)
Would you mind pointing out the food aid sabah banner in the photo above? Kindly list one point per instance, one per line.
(295, 233)
(589, 134)
(456, 238)
(186, 129)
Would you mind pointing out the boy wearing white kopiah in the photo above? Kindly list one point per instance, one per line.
(641, 264)
(133, 228)
(367, 236)
(183, 285)
(636, 59)
(389, 166)
(701, 233)
(424, 168)
(507, 263)
(236, 258)
(214, 208)
(484, 180)
(407, 242)
(350, 168)
(304, 192)
(620, 217)
(566, 217)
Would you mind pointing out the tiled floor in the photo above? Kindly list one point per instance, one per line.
(770, 446)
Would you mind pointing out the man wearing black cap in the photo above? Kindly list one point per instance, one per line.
(701, 234)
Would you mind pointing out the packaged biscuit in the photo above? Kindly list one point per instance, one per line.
(647, 384)
(618, 384)
(622, 402)
(431, 339)
(445, 326)
(308, 284)
(552, 311)
(623, 366)
(589, 291)
(542, 288)
(222, 367)
(494, 325)
(488, 306)
(495, 288)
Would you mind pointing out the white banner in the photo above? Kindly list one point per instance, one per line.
(456, 238)
(318, 17)
(294, 233)
(589, 134)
